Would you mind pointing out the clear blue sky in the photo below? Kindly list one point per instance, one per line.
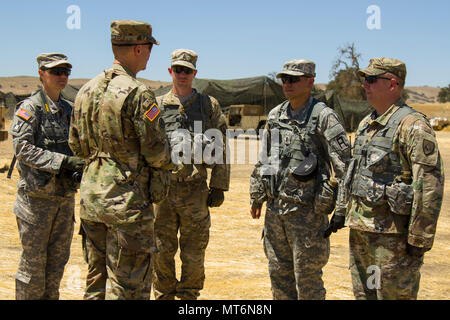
(234, 39)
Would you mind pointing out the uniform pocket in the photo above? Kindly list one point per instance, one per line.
(400, 198)
(325, 199)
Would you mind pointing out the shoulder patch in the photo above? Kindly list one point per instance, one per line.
(153, 112)
(428, 147)
(24, 114)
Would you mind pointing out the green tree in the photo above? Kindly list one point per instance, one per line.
(444, 94)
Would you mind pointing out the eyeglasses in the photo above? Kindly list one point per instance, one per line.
(289, 79)
(373, 79)
(179, 69)
(59, 71)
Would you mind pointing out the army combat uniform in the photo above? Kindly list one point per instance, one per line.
(297, 211)
(396, 181)
(117, 128)
(46, 194)
(181, 210)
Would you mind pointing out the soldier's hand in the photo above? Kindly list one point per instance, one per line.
(255, 211)
(215, 198)
(336, 223)
(416, 251)
(73, 164)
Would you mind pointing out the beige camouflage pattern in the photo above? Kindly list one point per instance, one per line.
(298, 67)
(379, 66)
(115, 185)
(297, 212)
(184, 213)
(121, 135)
(51, 60)
(415, 144)
(131, 32)
(189, 216)
(45, 200)
(120, 255)
(184, 57)
(399, 272)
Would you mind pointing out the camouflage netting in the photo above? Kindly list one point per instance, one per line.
(258, 90)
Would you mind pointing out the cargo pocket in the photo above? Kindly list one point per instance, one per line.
(134, 252)
(292, 190)
(325, 199)
(400, 198)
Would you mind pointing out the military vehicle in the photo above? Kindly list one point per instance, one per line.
(246, 116)
(3, 131)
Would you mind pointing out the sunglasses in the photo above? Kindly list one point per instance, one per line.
(290, 79)
(179, 69)
(58, 71)
(373, 79)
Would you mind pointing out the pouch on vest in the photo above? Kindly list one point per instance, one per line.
(293, 190)
(400, 197)
(159, 185)
(306, 169)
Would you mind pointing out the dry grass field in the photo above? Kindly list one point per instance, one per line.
(236, 267)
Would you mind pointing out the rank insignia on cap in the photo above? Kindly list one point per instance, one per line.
(428, 147)
(24, 114)
(153, 112)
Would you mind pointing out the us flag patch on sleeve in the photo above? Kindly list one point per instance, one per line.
(153, 112)
(24, 114)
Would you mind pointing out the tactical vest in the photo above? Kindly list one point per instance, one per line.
(297, 140)
(199, 111)
(51, 135)
(378, 176)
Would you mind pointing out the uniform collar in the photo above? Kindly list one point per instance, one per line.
(120, 69)
(172, 99)
(286, 111)
(384, 118)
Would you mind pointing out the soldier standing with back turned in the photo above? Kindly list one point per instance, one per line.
(46, 190)
(186, 208)
(395, 182)
(300, 191)
(117, 128)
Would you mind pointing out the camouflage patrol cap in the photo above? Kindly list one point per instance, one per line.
(306, 169)
(184, 57)
(51, 60)
(298, 67)
(130, 32)
(378, 66)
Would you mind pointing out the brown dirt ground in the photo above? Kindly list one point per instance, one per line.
(236, 267)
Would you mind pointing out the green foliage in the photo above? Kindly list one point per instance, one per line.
(444, 94)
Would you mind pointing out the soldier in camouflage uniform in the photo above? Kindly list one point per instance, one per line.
(117, 128)
(184, 109)
(395, 183)
(308, 140)
(46, 190)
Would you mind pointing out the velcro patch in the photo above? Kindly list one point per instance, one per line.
(24, 114)
(428, 147)
(153, 112)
